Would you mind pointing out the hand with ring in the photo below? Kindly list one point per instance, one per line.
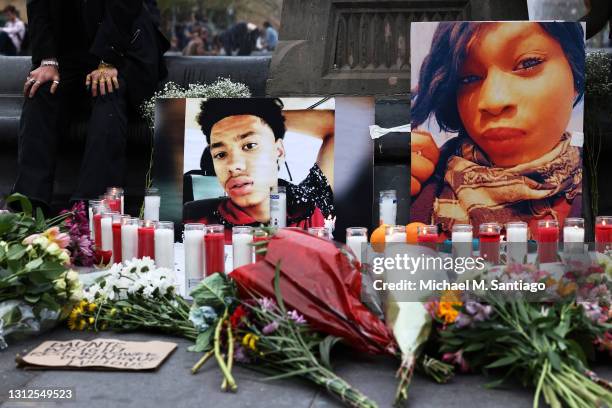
(40, 76)
(103, 80)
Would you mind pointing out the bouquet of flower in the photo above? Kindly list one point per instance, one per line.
(544, 344)
(80, 246)
(36, 288)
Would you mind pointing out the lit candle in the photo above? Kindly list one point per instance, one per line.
(427, 236)
(603, 233)
(164, 245)
(113, 202)
(387, 207)
(462, 237)
(146, 239)
(98, 210)
(106, 230)
(194, 256)
(395, 233)
(152, 203)
(355, 238)
(489, 241)
(214, 249)
(117, 255)
(573, 235)
(118, 192)
(129, 238)
(548, 239)
(516, 248)
(242, 250)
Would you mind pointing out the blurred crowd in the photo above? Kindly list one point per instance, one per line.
(199, 36)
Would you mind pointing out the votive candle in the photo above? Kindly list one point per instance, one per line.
(427, 236)
(106, 231)
(152, 204)
(516, 246)
(129, 238)
(194, 254)
(92, 205)
(214, 249)
(164, 244)
(489, 235)
(118, 192)
(603, 233)
(548, 240)
(462, 238)
(355, 238)
(321, 232)
(242, 250)
(387, 207)
(117, 255)
(146, 239)
(395, 233)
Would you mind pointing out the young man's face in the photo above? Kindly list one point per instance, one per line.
(246, 157)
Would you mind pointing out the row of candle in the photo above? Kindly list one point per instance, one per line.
(547, 236)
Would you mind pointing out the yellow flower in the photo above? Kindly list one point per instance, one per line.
(113, 312)
(250, 341)
(92, 307)
(74, 319)
(448, 307)
(91, 321)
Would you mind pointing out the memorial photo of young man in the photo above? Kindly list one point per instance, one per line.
(246, 149)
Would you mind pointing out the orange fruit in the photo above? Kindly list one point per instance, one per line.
(377, 239)
(411, 232)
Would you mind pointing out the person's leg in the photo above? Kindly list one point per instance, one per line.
(104, 160)
(6, 45)
(38, 133)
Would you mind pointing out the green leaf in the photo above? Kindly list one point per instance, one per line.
(16, 252)
(213, 291)
(496, 383)
(204, 341)
(555, 360)
(32, 298)
(26, 205)
(277, 289)
(503, 362)
(325, 348)
(34, 264)
(474, 347)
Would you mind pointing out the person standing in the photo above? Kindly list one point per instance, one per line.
(271, 36)
(13, 33)
(92, 58)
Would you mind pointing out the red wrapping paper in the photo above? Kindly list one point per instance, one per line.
(320, 282)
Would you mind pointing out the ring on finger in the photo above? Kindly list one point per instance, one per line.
(56, 82)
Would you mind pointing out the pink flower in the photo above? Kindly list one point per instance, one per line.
(457, 359)
(60, 238)
(296, 317)
(270, 328)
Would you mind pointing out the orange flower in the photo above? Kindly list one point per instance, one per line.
(448, 308)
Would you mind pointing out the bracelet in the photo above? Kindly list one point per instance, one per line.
(49, 63)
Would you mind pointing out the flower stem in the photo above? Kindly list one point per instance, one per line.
(230, 355)
(217, 347)
(202, 361)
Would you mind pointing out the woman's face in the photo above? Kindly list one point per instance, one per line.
(516, 92)
(245, 155)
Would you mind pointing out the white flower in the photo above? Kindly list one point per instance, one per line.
(42, 242)
(54, 249)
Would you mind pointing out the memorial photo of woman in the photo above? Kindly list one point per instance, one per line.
(246, 145)
(506, 92)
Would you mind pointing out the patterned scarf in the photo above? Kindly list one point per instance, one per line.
(475, 191)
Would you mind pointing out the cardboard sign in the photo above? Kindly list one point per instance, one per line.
(104, 354)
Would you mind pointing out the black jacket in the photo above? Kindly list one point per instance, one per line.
(120, 32)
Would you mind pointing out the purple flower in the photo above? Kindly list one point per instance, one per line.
(474, 312)
(240, 354)
(296, 317)
(457, 359)
(81, 247)
(267, 304)
(270, 327)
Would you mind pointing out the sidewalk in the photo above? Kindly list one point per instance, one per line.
(174, 386)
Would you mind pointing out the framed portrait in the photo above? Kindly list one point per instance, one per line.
(217, 161)
(497, 122)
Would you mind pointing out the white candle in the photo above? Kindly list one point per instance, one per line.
(107, 233)
(461, 236)
(388, 211)
(242, 250)
(151, 211)
(129, 240)
(573, 234)
(354, 242)
(164, 245)
(516, 237)
(91, 226)
(396, 237)
(194, 259)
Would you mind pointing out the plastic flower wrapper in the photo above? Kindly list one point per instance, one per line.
(17, 321)
(410, 321)
(320, 282)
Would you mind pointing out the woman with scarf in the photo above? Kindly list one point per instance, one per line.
(507, 89)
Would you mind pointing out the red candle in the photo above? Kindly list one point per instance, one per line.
(114, 204)
(98, 230)
(214, 245)
(489, 246)
(146, 239)
(117, 242)
(603, 233)
(428, 236)
(548, 238)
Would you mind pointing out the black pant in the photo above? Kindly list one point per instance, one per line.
(44, 123)
(6, 45)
